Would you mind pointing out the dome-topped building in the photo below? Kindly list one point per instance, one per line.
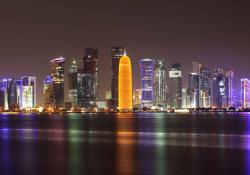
(125, 84)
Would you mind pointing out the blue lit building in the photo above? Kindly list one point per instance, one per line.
(147, 81)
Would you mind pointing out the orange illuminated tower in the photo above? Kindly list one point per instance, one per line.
(125, 84)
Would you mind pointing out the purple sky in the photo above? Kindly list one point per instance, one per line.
(32, 33)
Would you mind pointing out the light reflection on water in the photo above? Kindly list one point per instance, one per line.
(125, 144)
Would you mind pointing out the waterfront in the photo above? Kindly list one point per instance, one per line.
(139, 143)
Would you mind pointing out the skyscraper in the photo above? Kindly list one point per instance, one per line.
(4, 95)
(11, 93)
(219, 88)
(28, 92)
(19, 89)
(194, 89)
(229, 88)
(160, 83)
(245, 93)
(137, 97)
(196, 67)
(175, 90)
(72, 78)
(222, 88)
(147, 82)
(87, 81)
(57, 73)
(90, 66)
(116, 54)
(125, 84)
(205, 88)
(48, 91)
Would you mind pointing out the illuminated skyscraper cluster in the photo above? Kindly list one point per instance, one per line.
(18, 94)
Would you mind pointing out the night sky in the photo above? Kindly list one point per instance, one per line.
(32, 33)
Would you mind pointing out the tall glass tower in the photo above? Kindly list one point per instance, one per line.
(116, 54)
(205, 88)
(57, 73)
(72, 78)
(147, 82)
(175, 90)
(245, 93)
(87, 81)
(160, 83)
(28, 92)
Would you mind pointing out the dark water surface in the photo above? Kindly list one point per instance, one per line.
(160, 144)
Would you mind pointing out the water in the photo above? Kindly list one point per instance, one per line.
(160, 144)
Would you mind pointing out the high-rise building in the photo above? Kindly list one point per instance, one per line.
(87, 81)
(185, 98)
(90, 67)
(229, 88)
(19, 89)
(147, 82)
(222, 88)
(85, 90)
(48, 91)
(125, 84)
(219, 88)
(72, 78)
(175, 86)
(194, 89)
(4, 95)
(160, 83)
(137, 97)
(28, 92)
(205, 88)
(11, 93)
(57, 73)
(196, 67)
(245, 93)
(116, 54)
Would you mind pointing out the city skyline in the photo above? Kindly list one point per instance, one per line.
(184, 33)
